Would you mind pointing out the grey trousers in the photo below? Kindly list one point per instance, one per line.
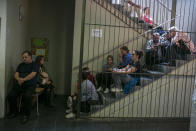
(120, 79)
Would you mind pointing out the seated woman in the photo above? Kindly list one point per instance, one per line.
(122, 76)
(183, 43)
(88, 93)
(44, 81)
(136, 68)
(104, 79)
(90, 76)
(147, 18)
(125, 57)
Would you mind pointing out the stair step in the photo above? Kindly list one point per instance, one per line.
(180, 63)
(155, 72)
(191, 57)
(163, 68)
(145, 81)
(95, 108)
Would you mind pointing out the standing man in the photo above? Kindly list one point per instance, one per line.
(25, 83)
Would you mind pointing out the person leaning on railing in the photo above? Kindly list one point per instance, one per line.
(178, 44)
(183, 42)
(169, 53)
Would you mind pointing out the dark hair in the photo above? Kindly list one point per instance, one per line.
(28, 52)
(145, 8)
(38, 59)
(85, 75)
(125, 48)
(85, 69)
(139, 53)
(110, 56)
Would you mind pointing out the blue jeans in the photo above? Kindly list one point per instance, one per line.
(132, 83)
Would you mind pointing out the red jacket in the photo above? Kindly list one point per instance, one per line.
(92, 79)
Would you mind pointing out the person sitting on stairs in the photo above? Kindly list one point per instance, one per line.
(88, 93)
(130, 75)
(154, 50)
(125, 57)
(104, 79)
(90, 75)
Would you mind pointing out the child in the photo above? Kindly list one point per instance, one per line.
(104, 79)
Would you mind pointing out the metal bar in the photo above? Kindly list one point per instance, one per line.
(173, 15)
(81, 56)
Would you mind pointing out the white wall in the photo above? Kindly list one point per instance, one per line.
(3, 4)
(16, 38)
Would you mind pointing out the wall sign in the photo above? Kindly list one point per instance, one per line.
(97, 33)
(39, 46)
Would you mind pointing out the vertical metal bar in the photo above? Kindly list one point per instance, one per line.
(81, 56)
(173, 15)
(193, 66)
(186, 86)
(104, 46)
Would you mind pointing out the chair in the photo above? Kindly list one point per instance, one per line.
(38, 91)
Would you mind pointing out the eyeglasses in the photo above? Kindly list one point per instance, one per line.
(25, 57)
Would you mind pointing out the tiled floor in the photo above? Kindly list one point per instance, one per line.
(53, 120)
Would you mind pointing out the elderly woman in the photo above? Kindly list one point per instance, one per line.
(182, 36)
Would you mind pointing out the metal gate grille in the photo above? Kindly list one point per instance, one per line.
(166, 82)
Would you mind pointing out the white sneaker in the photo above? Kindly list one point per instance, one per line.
(70, 115)
(68, 111)
(116, 90)
(69, 102)
(99, 89)
(106, 91)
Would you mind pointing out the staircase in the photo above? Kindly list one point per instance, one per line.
(160, 78)
(132, 22)
(160, 86)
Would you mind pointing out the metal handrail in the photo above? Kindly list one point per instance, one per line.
(165, 6)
